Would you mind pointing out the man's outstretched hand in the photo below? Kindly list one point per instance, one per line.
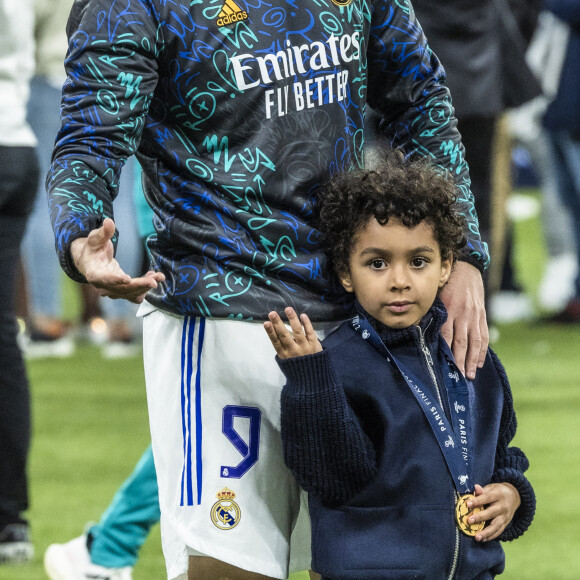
(95, 260)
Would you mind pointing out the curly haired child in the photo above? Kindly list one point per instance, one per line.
(408, 465)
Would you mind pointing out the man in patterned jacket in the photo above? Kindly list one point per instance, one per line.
(237, 112)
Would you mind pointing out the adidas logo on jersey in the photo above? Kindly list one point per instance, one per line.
(230, 14)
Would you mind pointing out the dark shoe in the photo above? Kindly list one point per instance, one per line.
(570, 314)
(15, 544)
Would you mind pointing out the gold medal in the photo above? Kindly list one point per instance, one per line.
(463, 513)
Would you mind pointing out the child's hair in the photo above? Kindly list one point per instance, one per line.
(409, 190)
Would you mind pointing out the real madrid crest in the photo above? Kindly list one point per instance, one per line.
(342, 2)
(225, 513)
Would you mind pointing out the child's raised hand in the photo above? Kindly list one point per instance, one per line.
(300, 342)
(501, 500)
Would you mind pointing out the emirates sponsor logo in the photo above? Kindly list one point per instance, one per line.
(251, 69)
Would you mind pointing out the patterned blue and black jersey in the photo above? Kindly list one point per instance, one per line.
(238, 111)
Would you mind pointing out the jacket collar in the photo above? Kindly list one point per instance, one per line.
(430, 324)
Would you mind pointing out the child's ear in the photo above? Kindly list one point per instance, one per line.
(446, 267)
(346, 282)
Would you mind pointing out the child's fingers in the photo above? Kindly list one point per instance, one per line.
(279, 336)
(273, 317)
(491, 512)
(491, 531)
(309, 332)
(481, 497)
(280, 328)
(491, 494)
(500, 502)
(273, 336)
(295, 324)
(308, 329)
(269, 328)
(497, 520)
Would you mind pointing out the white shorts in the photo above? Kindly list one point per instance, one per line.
(213, 392)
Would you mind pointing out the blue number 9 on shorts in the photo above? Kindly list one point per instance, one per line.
(250, 450)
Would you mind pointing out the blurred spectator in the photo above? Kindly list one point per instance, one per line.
(562, 122)
(18, 178)
(483, 52)
(545, 55)
(47, 332)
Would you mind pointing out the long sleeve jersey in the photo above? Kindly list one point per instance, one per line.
(238, 111)
(381, 495)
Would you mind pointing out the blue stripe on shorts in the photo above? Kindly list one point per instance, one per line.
(187, 347)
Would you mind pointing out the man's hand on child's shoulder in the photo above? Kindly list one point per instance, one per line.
(300, 342)
(466, 329)
(501, 500)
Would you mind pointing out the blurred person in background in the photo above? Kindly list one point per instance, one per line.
(46, 330)
(545, 55)
(475, 42)
(18, 179)
(48, 333)
(562, 123)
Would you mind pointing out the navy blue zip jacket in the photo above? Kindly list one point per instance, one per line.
(381, 496)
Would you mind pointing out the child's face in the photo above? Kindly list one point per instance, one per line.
(396, 271)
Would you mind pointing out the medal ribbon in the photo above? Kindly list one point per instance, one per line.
(454, 440)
